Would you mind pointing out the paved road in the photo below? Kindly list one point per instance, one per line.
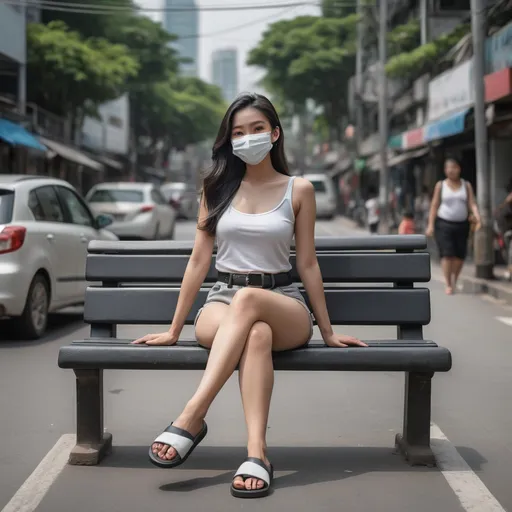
(330, 435)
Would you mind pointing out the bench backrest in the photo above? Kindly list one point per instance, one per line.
(140, 282)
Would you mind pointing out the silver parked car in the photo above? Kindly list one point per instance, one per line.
(45, 227)
(140, 211)
(183, 197)
(325, 195)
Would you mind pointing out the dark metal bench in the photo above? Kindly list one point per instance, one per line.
(138, 283)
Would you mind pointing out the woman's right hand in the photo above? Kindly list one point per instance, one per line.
(162, 338)
(430, 230)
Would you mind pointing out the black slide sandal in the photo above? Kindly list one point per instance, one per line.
(253, 468)
(182, 441)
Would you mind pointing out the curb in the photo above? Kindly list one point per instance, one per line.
(496, 290)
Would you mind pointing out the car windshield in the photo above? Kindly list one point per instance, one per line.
(117, 196)
(6, 205)
(319, 186)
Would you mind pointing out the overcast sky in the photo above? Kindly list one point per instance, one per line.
(240, 29)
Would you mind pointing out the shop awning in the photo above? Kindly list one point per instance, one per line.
(446, 126)
(409, 155)
(16, 135)
(71, 154)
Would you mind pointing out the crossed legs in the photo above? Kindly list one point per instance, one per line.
(244, 333)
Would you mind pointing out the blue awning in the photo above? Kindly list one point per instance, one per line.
(16, 135)
(446, 127)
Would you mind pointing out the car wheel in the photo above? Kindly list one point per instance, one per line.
(32, 322)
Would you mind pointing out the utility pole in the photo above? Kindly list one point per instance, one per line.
(484, 260)
(383, 116)
(359, 77)
(22, 72)
(423, 22)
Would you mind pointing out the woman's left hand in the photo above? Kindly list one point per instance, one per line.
(341, 340)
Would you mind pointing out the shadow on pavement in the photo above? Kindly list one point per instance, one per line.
(59, 325)
(306, 465)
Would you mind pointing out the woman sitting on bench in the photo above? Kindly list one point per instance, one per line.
(253, 208)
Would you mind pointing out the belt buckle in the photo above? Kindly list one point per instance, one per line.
(248, 279)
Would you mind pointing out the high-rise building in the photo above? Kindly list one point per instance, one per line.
(225, 72)
(185, 25)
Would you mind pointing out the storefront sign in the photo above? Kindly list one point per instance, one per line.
(446, 127)
(451, 91)
(413, 138)
(498, 50)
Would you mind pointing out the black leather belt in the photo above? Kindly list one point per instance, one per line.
(256, 279)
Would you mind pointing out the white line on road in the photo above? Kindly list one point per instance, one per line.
(33, 490)
(507, 320)
(471, 491)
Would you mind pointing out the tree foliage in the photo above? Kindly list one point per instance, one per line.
(70, 74)
(103, 56)
(412, 64)
(337, 9)
(404, 38)
(89, 25)
(174, 114)
(310, 57)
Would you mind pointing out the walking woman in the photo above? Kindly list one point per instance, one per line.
(452, 202)
(253, 208)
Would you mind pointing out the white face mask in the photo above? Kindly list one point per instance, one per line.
(253, 148)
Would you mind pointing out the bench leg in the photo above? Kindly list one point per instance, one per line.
(92, 444)
(414, 443)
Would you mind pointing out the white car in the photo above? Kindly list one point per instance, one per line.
(140, 211)
(45, 227)
(184, 197)
(325, 194)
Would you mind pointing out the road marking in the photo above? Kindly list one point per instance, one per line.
(507, 320)
(469, 489)
(35, 487)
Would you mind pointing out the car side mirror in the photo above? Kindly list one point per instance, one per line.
(103, 221)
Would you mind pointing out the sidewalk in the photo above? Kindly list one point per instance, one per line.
(498, 288)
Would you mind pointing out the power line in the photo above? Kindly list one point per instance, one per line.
(80, 8)
(236, 27)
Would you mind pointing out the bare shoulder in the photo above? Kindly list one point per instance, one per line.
(303, 188)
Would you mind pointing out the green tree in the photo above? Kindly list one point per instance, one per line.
(310, 58)
(336, 9)
(412, 64)
(150, 44)
(69, 75)
(89, 25)
(174, 114)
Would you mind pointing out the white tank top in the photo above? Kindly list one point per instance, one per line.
(256, 242)
(454, 203)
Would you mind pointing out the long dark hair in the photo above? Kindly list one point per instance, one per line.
(223, 179)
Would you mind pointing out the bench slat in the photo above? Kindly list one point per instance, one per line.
(340, 268)
(322, 243)
(347, 306)
(191, 342)
(315, 358)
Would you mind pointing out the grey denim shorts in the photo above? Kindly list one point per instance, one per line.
(221, 293)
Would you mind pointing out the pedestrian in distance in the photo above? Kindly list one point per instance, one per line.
(372, 210)
(453, 202)
(407, 225)
(252, 208)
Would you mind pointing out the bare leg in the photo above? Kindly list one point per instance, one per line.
(456, 270)
(256, 382)
(250, 305)
(446, 265)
